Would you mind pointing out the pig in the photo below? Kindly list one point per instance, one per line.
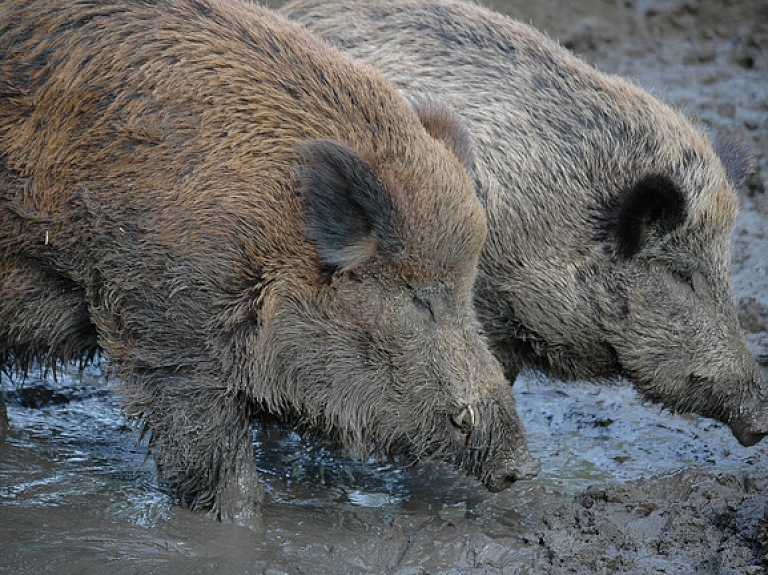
(247, 224)
(609, 213)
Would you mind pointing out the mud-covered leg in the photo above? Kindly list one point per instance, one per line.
(201, 441)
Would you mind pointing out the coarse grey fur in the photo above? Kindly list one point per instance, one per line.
(249, 224)
(609, 214)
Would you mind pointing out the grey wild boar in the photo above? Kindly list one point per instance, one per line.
(249, 224)
(609, 214)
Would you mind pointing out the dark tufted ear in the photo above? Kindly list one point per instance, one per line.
(655, 204)
(737, 158)
(443, 124)
(348, 212)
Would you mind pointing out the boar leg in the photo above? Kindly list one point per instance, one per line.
(43, 317)
(201, 441)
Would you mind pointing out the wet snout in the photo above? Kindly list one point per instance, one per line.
(496, 449)
(751, 433)
(750, 425)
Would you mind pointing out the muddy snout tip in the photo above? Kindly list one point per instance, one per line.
(751, 432)
(751, 425)
(749, 439)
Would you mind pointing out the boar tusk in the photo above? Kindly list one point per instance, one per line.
(465, 420)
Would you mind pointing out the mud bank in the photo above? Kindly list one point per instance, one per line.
(625, 487)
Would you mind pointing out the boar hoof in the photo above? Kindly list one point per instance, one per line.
(465, 420)
(239, 500)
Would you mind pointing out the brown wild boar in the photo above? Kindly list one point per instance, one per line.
(249, 224)
(609, 214)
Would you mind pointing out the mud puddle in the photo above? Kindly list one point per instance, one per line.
(78, 495)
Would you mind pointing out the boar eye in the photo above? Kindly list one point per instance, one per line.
(684, 276)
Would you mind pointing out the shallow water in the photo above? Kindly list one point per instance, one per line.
(78, 493)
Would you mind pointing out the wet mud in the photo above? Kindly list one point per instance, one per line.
(625, 486)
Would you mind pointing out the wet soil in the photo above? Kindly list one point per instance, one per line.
(625, 487)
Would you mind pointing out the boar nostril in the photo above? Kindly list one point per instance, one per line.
(465, 419)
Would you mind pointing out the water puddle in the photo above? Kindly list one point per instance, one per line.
(77, 492)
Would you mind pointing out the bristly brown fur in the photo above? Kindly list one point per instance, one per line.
(165, 198)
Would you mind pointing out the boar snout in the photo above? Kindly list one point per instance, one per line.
(496, 449)
(741, 403)
(752, 424)
(754, 429)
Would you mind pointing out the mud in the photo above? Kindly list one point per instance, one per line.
(625, 486)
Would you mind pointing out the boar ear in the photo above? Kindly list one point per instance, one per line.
(443, 124)
(655, 204)
(348, 212)
(737, 158)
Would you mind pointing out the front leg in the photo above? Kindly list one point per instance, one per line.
(201, 440)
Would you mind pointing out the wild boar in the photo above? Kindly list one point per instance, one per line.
(609, 214)
(249, 224)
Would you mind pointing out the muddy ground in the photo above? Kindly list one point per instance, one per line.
(625, 487)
